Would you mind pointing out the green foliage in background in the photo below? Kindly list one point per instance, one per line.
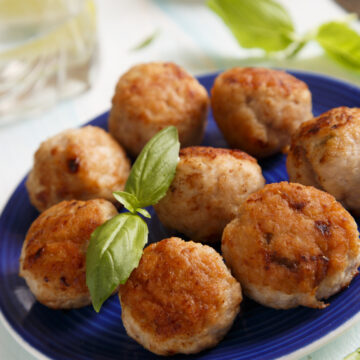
(265, 24)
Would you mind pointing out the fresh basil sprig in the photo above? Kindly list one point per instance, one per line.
(261, 24)
(130, 203)
(154, 170)
(116, 246)
(147, 41)
(354, 355)
(114, 251)
(341, 43)
(265, 24)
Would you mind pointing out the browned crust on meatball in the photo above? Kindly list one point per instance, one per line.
(181, 290)
(331, 119)
(209, 186)
(324, 153)
(292, 239)
(258, 109)
(152, 96)
(255, 78)
(81, 164)
(54, 251)
(212, 153)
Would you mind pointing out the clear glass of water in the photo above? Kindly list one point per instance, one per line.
(47, 50)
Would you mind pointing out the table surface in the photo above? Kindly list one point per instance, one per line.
(191, 36)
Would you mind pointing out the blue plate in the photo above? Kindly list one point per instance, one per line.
(258, 332)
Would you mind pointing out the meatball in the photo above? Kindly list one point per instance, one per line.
(292, 245)
(53, 255)
(325, 153)
(181, 298)
(150, 97)
(82, 164)
(258, 109)
(209, 186)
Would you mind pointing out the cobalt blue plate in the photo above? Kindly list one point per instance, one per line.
(258, 332)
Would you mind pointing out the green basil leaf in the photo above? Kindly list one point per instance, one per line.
(354, 355)
(147, 41)
(341, 43)
(143, 212)
(154, 168)
(129, 201)
(114, 251)
(263, 24)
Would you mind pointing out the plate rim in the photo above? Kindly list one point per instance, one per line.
(21, 341)
(296, 354)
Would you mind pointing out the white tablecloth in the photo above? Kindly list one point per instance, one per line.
(191, 36)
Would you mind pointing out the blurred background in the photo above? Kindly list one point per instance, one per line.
(60, 61)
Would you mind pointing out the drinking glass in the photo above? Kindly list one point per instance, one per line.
(47, 50)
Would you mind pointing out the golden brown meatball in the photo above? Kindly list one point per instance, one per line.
(292, 245)
(258, 109)
(325, 153)
(54, 252)
(150, 97)
(181, 298)
(209, 186)
(82, 164)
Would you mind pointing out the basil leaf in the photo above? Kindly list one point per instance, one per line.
(147, 41)
(114, 251)
(263, 24)
(154, 169)
(129, 201)
(354, 355)
(341, 43)
(144, 212)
